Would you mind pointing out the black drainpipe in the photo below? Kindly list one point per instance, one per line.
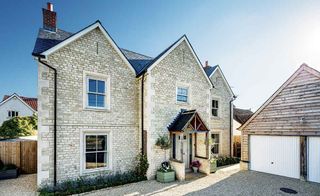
(142, 114)
(231, 118)
(54, 122)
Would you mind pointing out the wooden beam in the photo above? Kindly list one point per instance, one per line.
(303, 158)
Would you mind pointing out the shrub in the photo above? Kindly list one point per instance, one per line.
(85, 184)
(19, 126)
(163, 142)
(142, 165)
(224, 160)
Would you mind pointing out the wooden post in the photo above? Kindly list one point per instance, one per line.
(207, 145)
(303, 158)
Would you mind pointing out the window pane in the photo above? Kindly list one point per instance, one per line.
(17, 113)
(215, 149)
(101, 86)
(214, 112)
(92, 85)
(92, 100)
(100, 100)
(182, 91)
(102, 143)
(91, 161)
(102, 159)
(91, 143)
(182, 98)
(9, 113)
(217, 104)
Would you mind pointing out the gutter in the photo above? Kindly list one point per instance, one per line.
(54, 122)
(142, 114)
(231, 118)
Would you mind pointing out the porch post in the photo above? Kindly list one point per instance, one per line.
(207, 145)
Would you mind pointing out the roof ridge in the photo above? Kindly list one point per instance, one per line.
(137, 53)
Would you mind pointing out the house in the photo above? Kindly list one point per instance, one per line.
(101, 105)
(240, 116)
(15, 105)
(283, 135)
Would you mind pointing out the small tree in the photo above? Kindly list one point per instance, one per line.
(18, 127)
(142, 165)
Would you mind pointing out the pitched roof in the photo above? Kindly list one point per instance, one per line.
(48, 39)
(30, 101)
(210, 69)
(303, 67)
(241, 115)
(181, 120)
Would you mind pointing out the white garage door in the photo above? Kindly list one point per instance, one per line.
(314, 159)
(278, 155)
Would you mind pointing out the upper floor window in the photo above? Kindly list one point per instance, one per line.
(96, 93)
(182, 94)
(215, 107)
(12, 114)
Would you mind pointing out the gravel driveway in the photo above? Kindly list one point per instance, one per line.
(23, 185)
(228, 181)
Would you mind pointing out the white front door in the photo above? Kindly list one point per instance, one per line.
(278, 155)
(184, 149)
(314, 159)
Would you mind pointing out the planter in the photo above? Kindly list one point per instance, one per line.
(213, 165)
(9, 174)
(195, 169)
(165, 176)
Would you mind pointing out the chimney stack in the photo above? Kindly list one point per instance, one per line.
(206, 64)
(49, 18)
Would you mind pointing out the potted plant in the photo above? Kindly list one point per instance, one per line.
(8, 171)
(195, 165)
(165, 173)
(213, 165)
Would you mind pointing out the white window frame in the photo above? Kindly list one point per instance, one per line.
(185, 86)
(85, 133)
(96, 76)
(219, 144)
(218, 110)
(16, 113)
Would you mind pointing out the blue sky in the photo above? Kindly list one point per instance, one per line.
(258, 44)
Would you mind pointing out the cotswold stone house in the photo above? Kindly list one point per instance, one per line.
(100, 105)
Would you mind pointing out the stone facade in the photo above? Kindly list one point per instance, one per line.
(123, 119)
(71, 62)
(221, 123)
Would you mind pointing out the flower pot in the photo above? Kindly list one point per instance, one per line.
(9, 174)
(213, 165)
(165, 176)
(195, 169)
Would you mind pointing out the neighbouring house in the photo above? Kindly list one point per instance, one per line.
(240, 116)
(15, 105)
(283, 135)
(101, 105)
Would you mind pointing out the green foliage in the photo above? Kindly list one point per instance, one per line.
(163, 141)
(89, 183)
(86, 184)
(224, 160)
(142, 165)
(18, 127)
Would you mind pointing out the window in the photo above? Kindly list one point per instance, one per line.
(12, 114)
(215, 107)
(182, 94)
(96, 92)
(96, 151)
(215, 138)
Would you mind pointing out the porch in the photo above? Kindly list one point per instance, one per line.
(189, 142)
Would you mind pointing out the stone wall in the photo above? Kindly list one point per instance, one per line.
(71, 62)
(179, 67)
(221, 123)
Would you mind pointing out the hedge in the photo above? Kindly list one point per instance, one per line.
(18, 127)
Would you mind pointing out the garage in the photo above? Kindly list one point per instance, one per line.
(279, 155)
(314, 159)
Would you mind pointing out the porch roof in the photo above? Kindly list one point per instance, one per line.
(188, 119)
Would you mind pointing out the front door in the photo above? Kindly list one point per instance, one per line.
(184, 148)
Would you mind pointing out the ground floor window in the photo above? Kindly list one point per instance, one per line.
(215, 138)
(96, 151)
